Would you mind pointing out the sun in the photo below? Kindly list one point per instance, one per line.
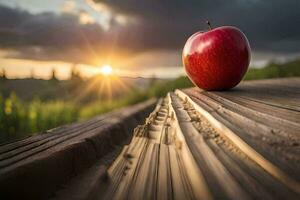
(106, 70)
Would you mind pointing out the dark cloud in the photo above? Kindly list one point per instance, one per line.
(47, 35)
(161, 24)
(271, 25)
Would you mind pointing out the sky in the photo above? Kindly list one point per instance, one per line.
(136, 37)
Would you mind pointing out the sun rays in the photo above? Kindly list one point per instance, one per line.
(106, 70)
(105, 85)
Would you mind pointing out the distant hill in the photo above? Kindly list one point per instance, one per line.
(28, 89)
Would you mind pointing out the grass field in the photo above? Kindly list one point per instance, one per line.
(20, 118)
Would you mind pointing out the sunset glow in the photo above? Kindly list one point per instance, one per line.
(106, 70)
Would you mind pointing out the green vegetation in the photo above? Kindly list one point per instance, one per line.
(273, 70)
(97, 108)
(20, 117)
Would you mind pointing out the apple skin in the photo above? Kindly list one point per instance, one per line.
(217, 59)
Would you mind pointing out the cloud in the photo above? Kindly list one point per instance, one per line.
(270, 25)
(157, 58)
(45, 36)
(136, 26)
(69, 6)
(85, 18)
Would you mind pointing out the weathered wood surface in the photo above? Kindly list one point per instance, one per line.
(238, 144)
(34, 168)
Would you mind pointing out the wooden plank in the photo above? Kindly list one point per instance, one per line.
(50, 160)
(164, 167)
(213, 145)
(223, 112)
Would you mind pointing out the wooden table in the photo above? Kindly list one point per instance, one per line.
(238, 144)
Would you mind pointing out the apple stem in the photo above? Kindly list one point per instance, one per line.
(209, 25)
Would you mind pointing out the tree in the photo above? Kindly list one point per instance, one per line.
(3, 75)
(32, 74)
(75, 74)
(53, 77)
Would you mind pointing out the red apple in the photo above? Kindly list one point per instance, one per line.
(217, 59)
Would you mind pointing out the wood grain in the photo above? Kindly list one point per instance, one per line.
(34, 168)
(237, 144)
